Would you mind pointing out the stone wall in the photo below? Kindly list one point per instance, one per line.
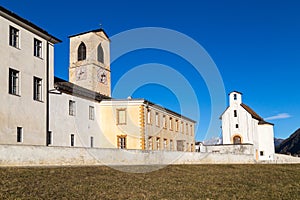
(15, 155)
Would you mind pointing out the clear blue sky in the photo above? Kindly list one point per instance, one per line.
(255, 45)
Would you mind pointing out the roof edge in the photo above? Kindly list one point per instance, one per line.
(18, 20)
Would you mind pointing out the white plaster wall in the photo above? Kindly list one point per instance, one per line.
(243, 119)
(22, 110)
(62, 125)
(266, 141)
(11, 155)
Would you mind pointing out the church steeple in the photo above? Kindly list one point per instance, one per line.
(235, 98)
(90, 61)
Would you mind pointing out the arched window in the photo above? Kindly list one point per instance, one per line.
(81, 52)
(100, 54)
(237, 140)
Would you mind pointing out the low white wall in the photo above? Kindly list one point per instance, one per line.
(14, 155)
(245, 149)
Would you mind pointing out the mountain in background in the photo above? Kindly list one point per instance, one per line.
(290, 145)
(277, 141)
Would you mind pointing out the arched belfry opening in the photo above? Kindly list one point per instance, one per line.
(237, 140)
(81, 54)
(100, 56)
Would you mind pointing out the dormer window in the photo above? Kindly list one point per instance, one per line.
(81, 52)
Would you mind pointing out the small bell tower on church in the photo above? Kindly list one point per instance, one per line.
(90, 61)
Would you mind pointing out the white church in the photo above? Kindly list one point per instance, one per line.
(241, 125)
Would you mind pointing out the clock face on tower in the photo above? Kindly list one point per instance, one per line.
(102, 76)
(80, 73)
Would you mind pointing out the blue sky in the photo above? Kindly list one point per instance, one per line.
(254, 44)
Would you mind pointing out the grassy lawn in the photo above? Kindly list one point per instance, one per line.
(172, 182)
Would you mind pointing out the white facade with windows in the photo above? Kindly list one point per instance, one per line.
(24, 77)
(241, 125)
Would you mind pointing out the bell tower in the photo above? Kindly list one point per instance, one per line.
(90, 61)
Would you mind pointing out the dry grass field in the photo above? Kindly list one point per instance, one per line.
(172, 182)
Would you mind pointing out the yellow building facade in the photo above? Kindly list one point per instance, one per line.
(140, 124)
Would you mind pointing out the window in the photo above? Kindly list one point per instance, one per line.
(148, 116)
(157, 119)
(157, 143)
(187, 128)
(261, 153)
(19, 134)
(187, 147)
(49, 138)
(13, 37)
(91, 113)
(176, 125)
(180, 145)
(100, 54)
(237, 140)
(170, 123)
(13, 82)
(235, 113)
(92, 142)
(182, 127)
(122, 141)
(81, 54)
(191, 129)
(72, 140)
(150, 146)
(72, 108)
(236, 126)
(165, 144)
(164, 121)
(235, 97)
(121, 116)
(37, 48)
(37, 89)
(171, 145)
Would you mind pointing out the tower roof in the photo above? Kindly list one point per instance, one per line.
(235, 92)
(92, 31)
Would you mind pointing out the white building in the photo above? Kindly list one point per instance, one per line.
(241, 125)
(27, 57)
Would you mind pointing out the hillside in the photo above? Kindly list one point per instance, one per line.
(277, 141)
(290, 145)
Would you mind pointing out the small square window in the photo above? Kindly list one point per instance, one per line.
(236, 126)
(37, 48)
(235, 113)
(92, 142)
(19, 134)
(235, 97)
(261, 153)
(49, 138)
(72, 140)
